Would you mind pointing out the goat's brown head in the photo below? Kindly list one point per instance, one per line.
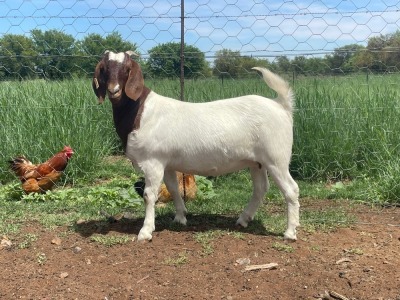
(117, 74)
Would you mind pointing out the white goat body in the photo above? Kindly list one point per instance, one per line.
(211, 138)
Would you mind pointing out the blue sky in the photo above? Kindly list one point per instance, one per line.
(258, 28)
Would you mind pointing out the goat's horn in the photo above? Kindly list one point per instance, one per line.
(132, 53)
(96, 83)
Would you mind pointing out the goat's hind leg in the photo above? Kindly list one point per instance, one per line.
(260, 188)
(171, 181)
(290, 190)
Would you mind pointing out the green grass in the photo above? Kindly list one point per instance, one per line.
(356, 251)
(345, 128)
(213, 217)
(205, 239)
(44, 116)
(27, 241)
(178, 260)
(282, 247)
(65, 206)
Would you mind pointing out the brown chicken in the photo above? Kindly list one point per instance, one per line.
(164, 196)
(41, 177)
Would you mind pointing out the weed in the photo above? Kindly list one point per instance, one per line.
(237, 235)
(28, 239)
(283, 247)
(206, 238)
(326, 220)
(181, 259)
(52, 221)
(205, 188)
(7, 229)
(315, 248)
(41, 258)
(357, 251)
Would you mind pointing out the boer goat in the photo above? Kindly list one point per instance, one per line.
(162, 135)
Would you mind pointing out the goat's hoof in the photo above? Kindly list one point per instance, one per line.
(242, 223)
(180, 219)
(144, 236)
(290, 236)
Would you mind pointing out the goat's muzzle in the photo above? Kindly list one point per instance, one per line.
(114, 96)
(114, 91)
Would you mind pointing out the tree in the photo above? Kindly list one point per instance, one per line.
(316, 66)
(284, 65)
(382, 53)
(56, 51)
(93, 46)
(341, 60)
(391, 52)
(299, 64)
(227, 63)
(246, 63)
(17, 53)
(164, 61)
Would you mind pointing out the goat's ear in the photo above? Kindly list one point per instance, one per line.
(132, 53)
(135, 83)
(98, 83)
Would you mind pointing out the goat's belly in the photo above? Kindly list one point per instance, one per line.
(207, 169)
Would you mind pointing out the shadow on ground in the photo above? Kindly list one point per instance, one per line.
(196, 223)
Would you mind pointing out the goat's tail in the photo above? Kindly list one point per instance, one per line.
(279, 85)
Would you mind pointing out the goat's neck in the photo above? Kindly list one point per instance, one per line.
(127, 115)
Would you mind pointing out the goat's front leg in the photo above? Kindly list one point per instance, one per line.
(171, 181)
(153, 177)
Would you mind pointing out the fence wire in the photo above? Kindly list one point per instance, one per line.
(342, 58)
(299, 30)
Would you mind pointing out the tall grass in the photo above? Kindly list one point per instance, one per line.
(345, 127)
(39, 117)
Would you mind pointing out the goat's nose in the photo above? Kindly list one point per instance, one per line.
(113, 89)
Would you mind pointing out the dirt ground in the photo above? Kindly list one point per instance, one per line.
(357, 262)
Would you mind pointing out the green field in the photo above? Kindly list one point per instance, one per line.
(346, 128)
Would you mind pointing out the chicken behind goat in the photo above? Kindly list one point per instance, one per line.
(164, 195)
(41, 177)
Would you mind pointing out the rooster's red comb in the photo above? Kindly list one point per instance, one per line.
(68, 149)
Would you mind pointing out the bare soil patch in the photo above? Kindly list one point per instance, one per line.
(359, 262)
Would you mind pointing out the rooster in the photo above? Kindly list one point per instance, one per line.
(41, 177)
(163, 194)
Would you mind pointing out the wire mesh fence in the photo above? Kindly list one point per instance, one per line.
(305, 36)
(342, 58)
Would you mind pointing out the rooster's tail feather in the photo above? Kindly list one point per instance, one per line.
(19, 164)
